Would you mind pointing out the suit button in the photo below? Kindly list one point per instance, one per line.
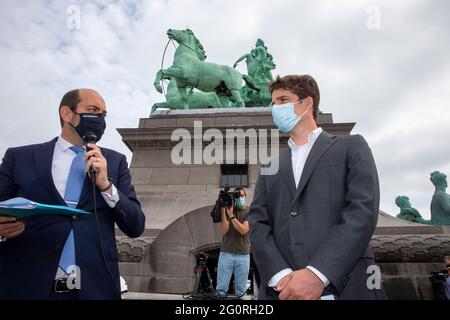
(294, 213)
(59, 247)
(74, 218)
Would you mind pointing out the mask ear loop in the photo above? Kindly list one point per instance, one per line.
(308, 109)
(77, 115)
(301, 116)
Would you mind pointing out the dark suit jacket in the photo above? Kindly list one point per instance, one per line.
(28, 263)
(327, 222)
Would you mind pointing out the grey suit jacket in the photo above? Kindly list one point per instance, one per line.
(326, 222)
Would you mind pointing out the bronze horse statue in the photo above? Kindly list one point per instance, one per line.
(189, 69)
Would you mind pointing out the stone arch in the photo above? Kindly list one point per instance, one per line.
(170, 259)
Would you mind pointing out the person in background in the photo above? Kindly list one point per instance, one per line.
(234, 257)
(447, 282)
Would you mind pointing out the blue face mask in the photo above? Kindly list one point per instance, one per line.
(284, 116)
(240, 202)
(90, 122)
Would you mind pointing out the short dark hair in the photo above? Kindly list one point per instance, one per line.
(239, 189)
(71, 99)
(302, 85)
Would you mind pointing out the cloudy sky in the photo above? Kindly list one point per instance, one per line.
(382, 64)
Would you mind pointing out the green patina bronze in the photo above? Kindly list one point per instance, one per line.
(440, 203)
(259, 68)
(189, 71)
(195, 99)
(407, 212)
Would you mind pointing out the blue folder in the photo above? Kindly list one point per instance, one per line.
(21, 207)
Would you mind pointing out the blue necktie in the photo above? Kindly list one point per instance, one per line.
(74, 186)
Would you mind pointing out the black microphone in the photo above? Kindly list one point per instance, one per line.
(90, 137)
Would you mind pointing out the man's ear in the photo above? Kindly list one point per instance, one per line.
(309, 102)
(65, 113)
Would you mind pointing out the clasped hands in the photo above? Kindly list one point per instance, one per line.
(300, 285)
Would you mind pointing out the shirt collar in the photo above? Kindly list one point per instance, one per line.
(63, 144)
(312, 137)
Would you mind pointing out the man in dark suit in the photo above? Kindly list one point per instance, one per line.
(67, 257)
(311, 222)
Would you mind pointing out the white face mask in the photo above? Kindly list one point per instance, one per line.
(285, 117)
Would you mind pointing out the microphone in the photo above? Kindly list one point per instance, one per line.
(90, 137)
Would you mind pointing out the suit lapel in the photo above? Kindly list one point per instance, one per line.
(323, 142)
(43, 158)
(286, 172)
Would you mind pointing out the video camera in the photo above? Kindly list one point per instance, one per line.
(226, 199)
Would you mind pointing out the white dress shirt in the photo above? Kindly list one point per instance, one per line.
(299, 156)
(62, 160)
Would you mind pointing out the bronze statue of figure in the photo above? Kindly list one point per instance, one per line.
(259, 68)
(440, 203)
(407, 212)
(259, 63)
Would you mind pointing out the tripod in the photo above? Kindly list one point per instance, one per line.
(203, 283)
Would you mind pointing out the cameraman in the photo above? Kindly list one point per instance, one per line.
(235, 248)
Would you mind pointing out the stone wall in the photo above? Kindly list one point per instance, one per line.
(165, 264)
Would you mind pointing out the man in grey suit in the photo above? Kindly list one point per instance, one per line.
(311, 222)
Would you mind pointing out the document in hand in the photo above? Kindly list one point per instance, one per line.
(21, 207)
